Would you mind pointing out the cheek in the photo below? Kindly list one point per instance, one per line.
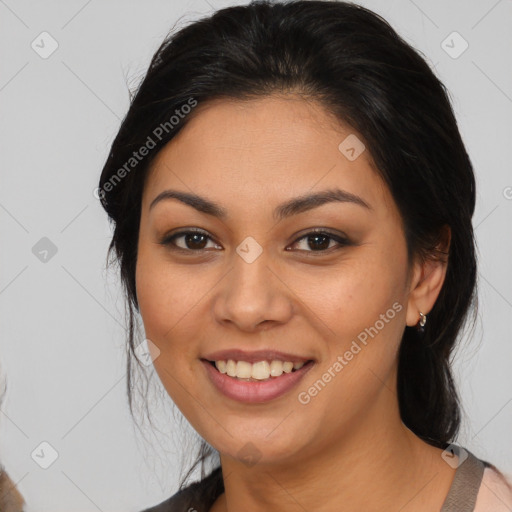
(165, 292)
(362, 304)
(174, 306)
(155, 304)
(164, 301)
(165, 304)
(362, 313)
(351, 296)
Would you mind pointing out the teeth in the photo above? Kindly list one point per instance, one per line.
(261, 370)
(244, 370)
(276, 368)
(221, 366)
(231, 368)
(287, 367)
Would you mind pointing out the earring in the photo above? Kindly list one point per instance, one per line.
(420, 326)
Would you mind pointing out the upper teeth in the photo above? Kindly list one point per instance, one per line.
(260, 370)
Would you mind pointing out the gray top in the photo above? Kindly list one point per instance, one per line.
(461, 496)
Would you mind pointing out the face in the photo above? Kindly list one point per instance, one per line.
(266, 279)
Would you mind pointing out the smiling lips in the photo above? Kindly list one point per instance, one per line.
(255, 377)
(261, 370)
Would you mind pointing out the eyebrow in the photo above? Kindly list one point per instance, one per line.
(287, 209)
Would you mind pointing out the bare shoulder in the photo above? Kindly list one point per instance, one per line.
(495, 493)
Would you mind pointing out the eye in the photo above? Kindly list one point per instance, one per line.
(192, 240)
(195, 240)
(320, 240)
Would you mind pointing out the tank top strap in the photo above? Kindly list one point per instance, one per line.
(466, 483)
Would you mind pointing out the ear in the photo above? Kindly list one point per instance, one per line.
(427, 280)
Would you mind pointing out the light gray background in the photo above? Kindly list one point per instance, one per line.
(61, 324)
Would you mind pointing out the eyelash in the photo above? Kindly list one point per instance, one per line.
(168, 241)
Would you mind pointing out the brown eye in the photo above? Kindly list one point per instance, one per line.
(191, 240)
(320, 241)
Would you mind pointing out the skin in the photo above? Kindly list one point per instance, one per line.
(348, 444)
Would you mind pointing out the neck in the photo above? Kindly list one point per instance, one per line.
(379, 465)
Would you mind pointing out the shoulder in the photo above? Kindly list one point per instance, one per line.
(495, 492)
(196, 497)
(185, 500)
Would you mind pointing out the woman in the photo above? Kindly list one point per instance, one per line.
(292, 204)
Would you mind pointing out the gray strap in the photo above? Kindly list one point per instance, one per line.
(466, 483)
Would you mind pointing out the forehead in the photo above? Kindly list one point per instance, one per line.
(254, 150)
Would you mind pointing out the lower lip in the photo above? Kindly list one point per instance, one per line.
(253, 392)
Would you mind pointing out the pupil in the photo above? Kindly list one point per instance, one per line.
(316, 237)
(192, 238)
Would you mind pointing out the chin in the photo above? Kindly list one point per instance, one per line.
(259, 449)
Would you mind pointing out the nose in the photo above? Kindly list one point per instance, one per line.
(252, 296)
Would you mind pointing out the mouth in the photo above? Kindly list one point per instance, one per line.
(256, 381)
(259, 371)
